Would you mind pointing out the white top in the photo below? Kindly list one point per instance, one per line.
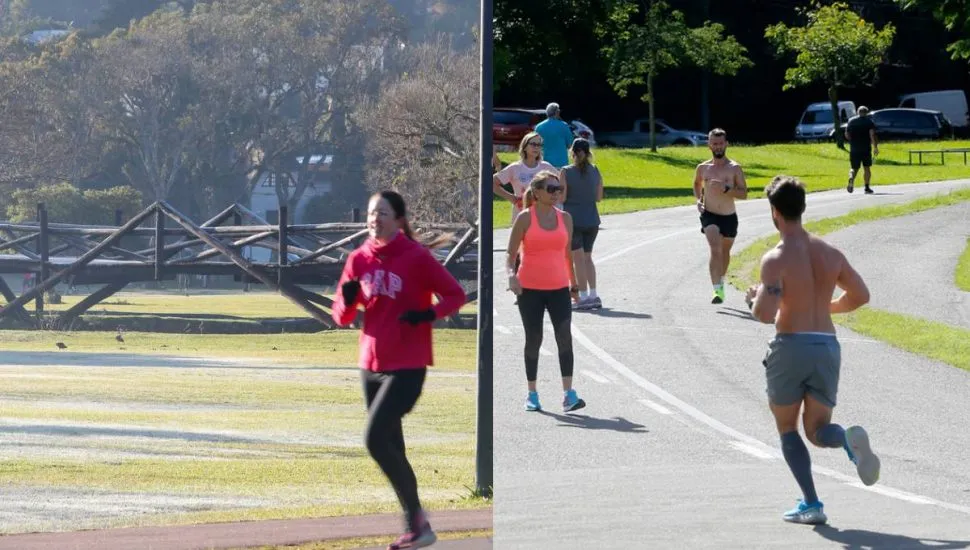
(519, 175)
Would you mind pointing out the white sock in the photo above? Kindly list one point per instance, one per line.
(582, 294)
(592, 292)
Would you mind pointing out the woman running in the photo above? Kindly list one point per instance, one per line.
(545, 281)
(584, 188)
(394, 277)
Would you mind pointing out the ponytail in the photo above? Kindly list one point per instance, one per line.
(529, 199)
(425, 240)
(406, 228)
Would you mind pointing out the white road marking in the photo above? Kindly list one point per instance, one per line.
(595, 377)
(544, 351)
(753, 451)
(656, 406)
(750, 444)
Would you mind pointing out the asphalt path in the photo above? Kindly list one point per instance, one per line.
(924, 249)
(677, 448)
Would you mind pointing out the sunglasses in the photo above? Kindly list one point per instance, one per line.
(553, 189)
(536, 143)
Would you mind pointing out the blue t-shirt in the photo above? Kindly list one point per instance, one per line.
(556, 139)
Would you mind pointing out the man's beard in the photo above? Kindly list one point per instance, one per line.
(719, 154)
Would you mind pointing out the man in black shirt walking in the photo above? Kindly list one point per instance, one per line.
(860, 131)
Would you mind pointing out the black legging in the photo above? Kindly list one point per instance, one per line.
(391, 395)
(532, 306)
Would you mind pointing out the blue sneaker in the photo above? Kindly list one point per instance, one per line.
(866, 462)
(810, 514)
(532, 402)
(572, 402)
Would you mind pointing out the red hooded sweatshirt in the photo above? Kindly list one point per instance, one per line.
(396, 277)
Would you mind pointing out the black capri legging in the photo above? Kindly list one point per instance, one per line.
(532, 306)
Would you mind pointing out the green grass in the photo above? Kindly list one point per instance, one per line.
(637, 179)
(932, 339)
(366, 542)
(290, 437)
(452, 348)
(963, 270)
(248, 305)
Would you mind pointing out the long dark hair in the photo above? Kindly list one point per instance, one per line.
(399, 207)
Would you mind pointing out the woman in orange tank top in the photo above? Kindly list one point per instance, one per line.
(545, 281)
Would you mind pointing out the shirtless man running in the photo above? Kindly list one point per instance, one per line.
(717, 182)
(798, 278)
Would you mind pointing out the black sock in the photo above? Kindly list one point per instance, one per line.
(800, 463)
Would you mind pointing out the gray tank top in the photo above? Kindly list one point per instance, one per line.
(581, 195)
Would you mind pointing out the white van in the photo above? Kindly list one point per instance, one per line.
(952, 103)
(816, 121)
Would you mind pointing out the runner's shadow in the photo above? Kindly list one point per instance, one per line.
(859, 538)
(607, 312)
(735, 312)
(617, 424)
(885, 193)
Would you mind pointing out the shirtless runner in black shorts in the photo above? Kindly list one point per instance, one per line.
(717, 182)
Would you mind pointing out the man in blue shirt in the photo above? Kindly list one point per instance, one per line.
(556, 137)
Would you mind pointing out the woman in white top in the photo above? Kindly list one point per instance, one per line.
(520, 173)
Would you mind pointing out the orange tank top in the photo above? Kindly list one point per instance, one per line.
(543, 264)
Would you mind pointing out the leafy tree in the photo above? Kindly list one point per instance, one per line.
(836, 47)
(954, 14)
(66, 203)
(642, 45)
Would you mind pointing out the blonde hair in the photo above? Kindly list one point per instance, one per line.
(530, 193)
(524, 144)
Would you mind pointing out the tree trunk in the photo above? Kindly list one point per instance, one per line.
(837, 121)
(706, 101)
(706, 80)
(653, 134)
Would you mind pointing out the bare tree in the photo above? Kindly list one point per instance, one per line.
(156, 101)
(422, 137)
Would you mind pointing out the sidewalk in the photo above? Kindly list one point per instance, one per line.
(253, 533)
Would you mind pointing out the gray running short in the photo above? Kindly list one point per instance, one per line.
(803, 363)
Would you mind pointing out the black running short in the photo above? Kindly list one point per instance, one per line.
(727, 225)
(584, 237)
(860, 158)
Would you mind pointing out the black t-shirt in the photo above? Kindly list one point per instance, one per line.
(858, 128)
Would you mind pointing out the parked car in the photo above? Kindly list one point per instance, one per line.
(640, 135)
(509, 126)
(816, 122)
(952, 103)
(898, 123)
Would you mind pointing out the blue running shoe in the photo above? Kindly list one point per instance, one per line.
(532, 402)
(809, 514)
(572, 402)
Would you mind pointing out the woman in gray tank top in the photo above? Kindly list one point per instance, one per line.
(584, 188)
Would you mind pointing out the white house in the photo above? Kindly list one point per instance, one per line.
(265, 203)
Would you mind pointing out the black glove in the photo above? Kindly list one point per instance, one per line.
(415, 317)
(349, 291)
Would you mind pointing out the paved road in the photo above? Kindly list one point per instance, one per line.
(252, 534)
(677, 448)
(924, 249)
